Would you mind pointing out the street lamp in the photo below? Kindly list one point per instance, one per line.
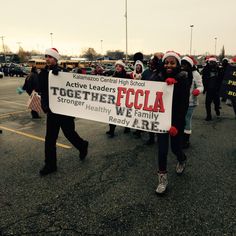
(101, 46)
(3, 48)
(191, 36)
(51, 40)
(19, 45)
(126, 32)
(215, 44)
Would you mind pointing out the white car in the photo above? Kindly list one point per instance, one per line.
(1, 75)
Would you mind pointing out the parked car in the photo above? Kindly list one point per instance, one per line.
(12, 69)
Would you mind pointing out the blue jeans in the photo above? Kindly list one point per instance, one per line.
(188, 120)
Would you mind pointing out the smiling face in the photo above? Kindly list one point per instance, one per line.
(170, 64)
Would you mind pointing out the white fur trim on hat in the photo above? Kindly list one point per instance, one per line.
(120, 62)
(212, 59)
(53, 53)
(188, 59)
(172, 54)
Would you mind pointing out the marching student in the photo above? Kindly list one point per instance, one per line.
(56, 121)
(120, 72)
(188, 64)
(154, 66)
(172, 75)
(212, 82)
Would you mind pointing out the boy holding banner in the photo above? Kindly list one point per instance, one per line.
(56, 121)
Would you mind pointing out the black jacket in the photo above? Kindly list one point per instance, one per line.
(180, 100)
(31, 83)
(211, 78)
(43, 86)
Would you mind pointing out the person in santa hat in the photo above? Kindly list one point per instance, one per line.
(172, 75)
(56, 121)
(196, 87)
(138, 70)
(120, 72)
(212, 83)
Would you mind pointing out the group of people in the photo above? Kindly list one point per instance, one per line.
(168, 68)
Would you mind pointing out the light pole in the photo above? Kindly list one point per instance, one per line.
(215, 44)
(191, 37)
(101, 46)
(19, 45)
(3, 48)
(51, 40)
(126, 33)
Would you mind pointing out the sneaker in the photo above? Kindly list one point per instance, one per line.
(162, 183)
(47, 170)
(84, 150)
(180, 167)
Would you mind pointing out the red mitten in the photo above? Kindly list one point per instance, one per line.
(173, 131)
(171, 81)
(195, 92)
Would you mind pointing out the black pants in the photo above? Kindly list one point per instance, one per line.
(54, 123)
(163, 146)
(212, 96)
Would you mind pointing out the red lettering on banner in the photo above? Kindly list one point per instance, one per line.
(127, 103)
(136, 105)
(133, 97)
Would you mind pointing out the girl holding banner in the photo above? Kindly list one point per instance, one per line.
(172, 75)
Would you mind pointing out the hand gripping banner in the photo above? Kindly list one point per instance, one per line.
(144, 105)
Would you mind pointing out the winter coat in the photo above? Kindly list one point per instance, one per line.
(211, 78)
(180, 102)
(121, 74)
(196, 84)
(43, 86)
(31, 83)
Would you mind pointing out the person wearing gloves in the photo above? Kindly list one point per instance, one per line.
(188, 64)
(173, 76)
(56, 121)
(119, 73)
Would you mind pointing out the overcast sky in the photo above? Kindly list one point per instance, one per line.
(153, 25)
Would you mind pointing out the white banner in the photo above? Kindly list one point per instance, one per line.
(138, 104)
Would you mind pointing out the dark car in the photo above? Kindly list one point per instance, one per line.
(17, 70)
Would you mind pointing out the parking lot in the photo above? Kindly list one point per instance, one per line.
(112, 192)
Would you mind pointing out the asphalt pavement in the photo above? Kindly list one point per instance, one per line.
(112, 192)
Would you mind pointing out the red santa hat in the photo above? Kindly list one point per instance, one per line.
(53, 52)
(190, 60)
(172, 54)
